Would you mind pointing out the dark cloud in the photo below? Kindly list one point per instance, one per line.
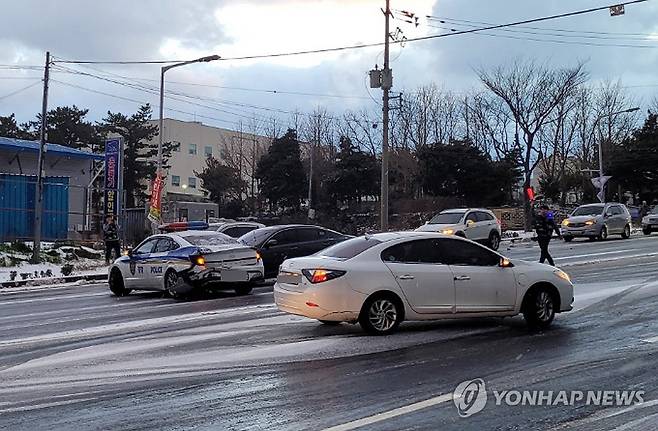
(138, 29)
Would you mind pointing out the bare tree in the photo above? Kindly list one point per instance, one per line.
(532, 92)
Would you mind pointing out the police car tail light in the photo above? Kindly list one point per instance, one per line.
(198, 260)
(321, 275)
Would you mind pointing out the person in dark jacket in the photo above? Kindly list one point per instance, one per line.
(544, 225)
(111, 238)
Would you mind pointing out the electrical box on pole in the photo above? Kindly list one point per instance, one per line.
(375, 78)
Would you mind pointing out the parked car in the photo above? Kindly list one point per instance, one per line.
(278, 243)
(180, 262)
(235, 229)
(383, 279)
(650, 222)
(476, 224)
(597, 221)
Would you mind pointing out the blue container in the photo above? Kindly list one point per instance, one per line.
(17, 197)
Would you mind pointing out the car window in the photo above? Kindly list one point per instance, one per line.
(616, 210)
(447, 218)
(590, 210)
(482, 216)
(464, 253)
(350, 248)
(256, 237)
(472, 217)
(238, 231)
(654, 210)
(288, 236)
(209, 239)
(146, 247)
(306, 234)
(165, 245)
(328, 234)
(417, 251)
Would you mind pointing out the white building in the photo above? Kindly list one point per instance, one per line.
(195, 142)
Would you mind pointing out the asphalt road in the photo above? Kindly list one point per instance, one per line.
(79, 358)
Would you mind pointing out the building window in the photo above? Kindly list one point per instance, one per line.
(192, 150)
(191, 182)
(207, 151)
(175, 180)
(182, 214)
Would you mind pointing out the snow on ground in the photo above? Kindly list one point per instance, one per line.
(14, 261)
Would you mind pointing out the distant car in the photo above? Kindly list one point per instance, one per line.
(383, 279)
(650, 222)
(278, 243)
(476, 224)
(597, 221)
(180, 262)
(235, 229)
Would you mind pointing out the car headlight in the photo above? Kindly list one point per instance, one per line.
(447, 231)
(590, 222)
(563, 275)
(565, 222)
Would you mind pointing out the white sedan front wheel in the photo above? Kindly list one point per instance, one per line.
(381, 315)
(539, 309)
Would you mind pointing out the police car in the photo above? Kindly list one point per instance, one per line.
(183, 260)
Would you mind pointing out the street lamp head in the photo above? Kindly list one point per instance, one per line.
(210, 58)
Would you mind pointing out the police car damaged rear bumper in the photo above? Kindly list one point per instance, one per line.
(228, 279)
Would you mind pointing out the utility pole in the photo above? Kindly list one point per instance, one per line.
(38, 203)
(387, 83)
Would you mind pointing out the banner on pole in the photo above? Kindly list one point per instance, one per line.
(600, 182)
(155, 206)
(112, 172)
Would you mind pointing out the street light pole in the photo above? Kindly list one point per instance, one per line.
(600, 117)
(162, 86)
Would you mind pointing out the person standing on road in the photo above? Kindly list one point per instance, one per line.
(644, 209)
(544, 225)
(111, 238)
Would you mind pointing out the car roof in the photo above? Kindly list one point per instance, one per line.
(463, 210)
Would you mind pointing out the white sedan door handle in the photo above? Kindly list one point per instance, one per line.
(462, 278)
(406, 277)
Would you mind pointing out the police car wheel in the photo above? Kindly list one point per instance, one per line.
(646, 231)
(243, 290)
(117, 286)
(170, 283)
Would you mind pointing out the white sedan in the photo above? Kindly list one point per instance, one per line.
(179, 262)
(383, 279)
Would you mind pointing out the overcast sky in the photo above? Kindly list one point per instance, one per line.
(185, 29)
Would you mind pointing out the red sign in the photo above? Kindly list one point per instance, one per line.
(155, 207)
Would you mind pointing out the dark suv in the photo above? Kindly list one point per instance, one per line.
(278, 243)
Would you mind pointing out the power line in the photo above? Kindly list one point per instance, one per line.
(375, 44)
(20, 90)
(614, 34)
(140, 102)
(230, 103)
(562, 42)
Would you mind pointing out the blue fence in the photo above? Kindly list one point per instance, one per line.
(17, 195)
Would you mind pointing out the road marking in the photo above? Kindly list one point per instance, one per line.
(45, 405)
(52, 298)
(379, 417)
(609, 259)
(651, 340)
(594, 254)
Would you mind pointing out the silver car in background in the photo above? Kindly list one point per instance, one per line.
(650, 222)
(477, 224)
(597, 221)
